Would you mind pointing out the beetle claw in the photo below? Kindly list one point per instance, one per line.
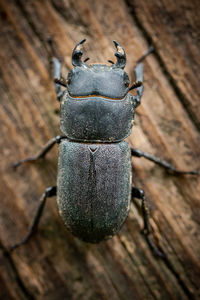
(77, 54)
(121, 56)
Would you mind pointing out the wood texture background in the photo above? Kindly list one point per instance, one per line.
(54, 264)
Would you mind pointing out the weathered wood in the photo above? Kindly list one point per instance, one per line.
(172, 28)
(54, 264)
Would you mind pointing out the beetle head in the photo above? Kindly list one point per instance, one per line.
(98, 79)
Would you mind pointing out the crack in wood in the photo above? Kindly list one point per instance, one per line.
(167, 262)
(19, 281)
(184, 101)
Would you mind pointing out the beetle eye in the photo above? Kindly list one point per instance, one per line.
(126, 83)
(69, 78)
(126, 80)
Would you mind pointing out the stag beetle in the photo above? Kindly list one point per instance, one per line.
(94, 183)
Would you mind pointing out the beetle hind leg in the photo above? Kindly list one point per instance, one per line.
(139, 193)
(49, 192)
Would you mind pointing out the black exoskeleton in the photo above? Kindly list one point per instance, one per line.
(94, 184)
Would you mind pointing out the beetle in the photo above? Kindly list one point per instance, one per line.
(94, 183)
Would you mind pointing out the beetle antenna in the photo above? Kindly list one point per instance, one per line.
(136, 85)
(61, 81)
(110, 61)
(86, 59)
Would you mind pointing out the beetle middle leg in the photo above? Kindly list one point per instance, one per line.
(139, 193)
(42, 153)
(49, 192)
(168, 167)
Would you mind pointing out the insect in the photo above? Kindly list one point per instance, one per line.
(94, 184)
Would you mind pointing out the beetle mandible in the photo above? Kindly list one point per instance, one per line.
(94, 184)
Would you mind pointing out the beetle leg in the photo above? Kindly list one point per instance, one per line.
(56, 70)
(139, 193)
(49, 192)
(42, 153)
(139, 79)
(57, 75)
(171, 169)
(149, 51)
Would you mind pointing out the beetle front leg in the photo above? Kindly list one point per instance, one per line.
(149, 51)
(42, 153)
(49, 192)
(138, 85)
(170, 168)
(57, 76)
(139, 78)
(139, 193)
(56, 70)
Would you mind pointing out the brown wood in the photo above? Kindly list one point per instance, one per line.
(54, 264)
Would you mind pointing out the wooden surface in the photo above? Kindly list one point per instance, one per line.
(54, 264)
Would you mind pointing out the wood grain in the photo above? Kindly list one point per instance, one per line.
(54, 264)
